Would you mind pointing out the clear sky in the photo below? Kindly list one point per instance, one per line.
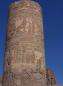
(53, 32)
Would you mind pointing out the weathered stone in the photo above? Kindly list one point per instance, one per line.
(24, 55)
(51, 79)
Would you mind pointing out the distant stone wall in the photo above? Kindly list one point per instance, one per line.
(0, 84)
(0, 81)
(51, 79)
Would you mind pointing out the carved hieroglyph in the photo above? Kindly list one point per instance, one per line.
(24, 55)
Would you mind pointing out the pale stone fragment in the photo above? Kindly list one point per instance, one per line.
(18, 22)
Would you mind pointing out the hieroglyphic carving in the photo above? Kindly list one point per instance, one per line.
(24, 40)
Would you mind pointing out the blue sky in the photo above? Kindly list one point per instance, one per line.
(53, 33)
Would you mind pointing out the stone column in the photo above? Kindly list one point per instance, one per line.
(24, 54)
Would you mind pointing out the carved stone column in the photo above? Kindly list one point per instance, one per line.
(24, 54)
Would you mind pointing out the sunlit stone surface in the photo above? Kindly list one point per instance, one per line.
(24, 54)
